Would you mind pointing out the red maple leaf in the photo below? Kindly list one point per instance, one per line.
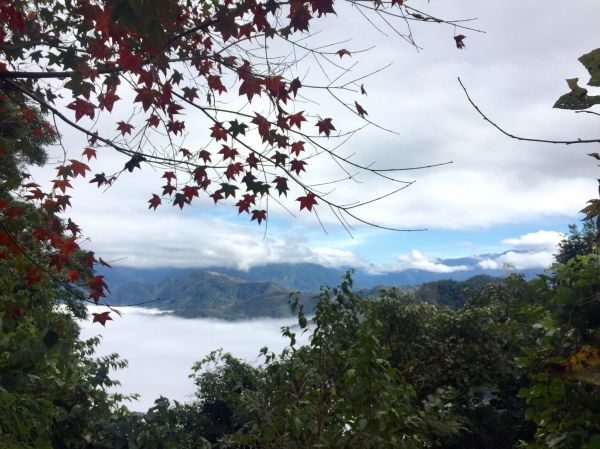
(243, 206)
(297, 165)
(153, 120)
(362, 89)
(154, 201)
(78, 168)
(260, 18)
(107, 100)
(325, 126)
(169, 176)
(322, 7)
(100, 178)
(296, 119)
(307, 201)
(228, 153)
(281, 185)
(299, 16)
(168, 189)
(233, 170)
(259, 215)
(205, 155)
(81, 108)
(218, 132)
(252, 161)
(125, 128)
(214, 82)
(274, 84)
(360, 110)
(61, 184)
(96, 287)
(297, 147)
(189, 93)
(263, 125)
(129, 61)
(190, 192)
(73, 275)
(218, 195)
(245, 30)
(72, 226)
(294, 86)
(101, 318)
(250, 86)
(187, 153)
(343, 52)
(175, 126)
(280, 158)
(180, 200)
(459, 41)
(146, 96)
(89, 153)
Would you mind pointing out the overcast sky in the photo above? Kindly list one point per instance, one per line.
(497, 195)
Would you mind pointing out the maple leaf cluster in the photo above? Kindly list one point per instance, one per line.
(171, 59)
(101, 50)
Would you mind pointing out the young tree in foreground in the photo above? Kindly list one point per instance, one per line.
(560, 313)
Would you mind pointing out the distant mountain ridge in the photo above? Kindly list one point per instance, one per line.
(309, 277)
(229, 293)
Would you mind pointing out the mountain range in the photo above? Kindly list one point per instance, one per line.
(265, 290)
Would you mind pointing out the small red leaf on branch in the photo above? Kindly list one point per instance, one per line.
(259, 215)
(343, 52)
(96, 287)
(125, 128)
(78, 168)
(180, 200)
(325, 126)
(360, 110)
(154, 201)
(81, 108)
(459, 41)
(101, 318)
(297, 165)
(169, 175)
(307, 201)
(296, 119)
(218, 132)
(89, 153)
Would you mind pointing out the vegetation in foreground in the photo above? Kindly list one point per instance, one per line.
(516, 366)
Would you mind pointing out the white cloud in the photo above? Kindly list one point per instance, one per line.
(518, 260)
(536, 240)
(419, 261)
(533, 250)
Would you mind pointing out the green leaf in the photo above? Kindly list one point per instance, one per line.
(591, 61)
(577, 98)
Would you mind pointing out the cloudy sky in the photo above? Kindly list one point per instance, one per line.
(498, 195)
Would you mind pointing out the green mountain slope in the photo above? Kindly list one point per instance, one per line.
(209, 294)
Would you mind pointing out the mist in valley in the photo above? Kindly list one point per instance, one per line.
(161, 348)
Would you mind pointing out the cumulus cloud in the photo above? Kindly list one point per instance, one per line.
(536, 240)
(518, 260)
(419, 261)
(532, 250)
